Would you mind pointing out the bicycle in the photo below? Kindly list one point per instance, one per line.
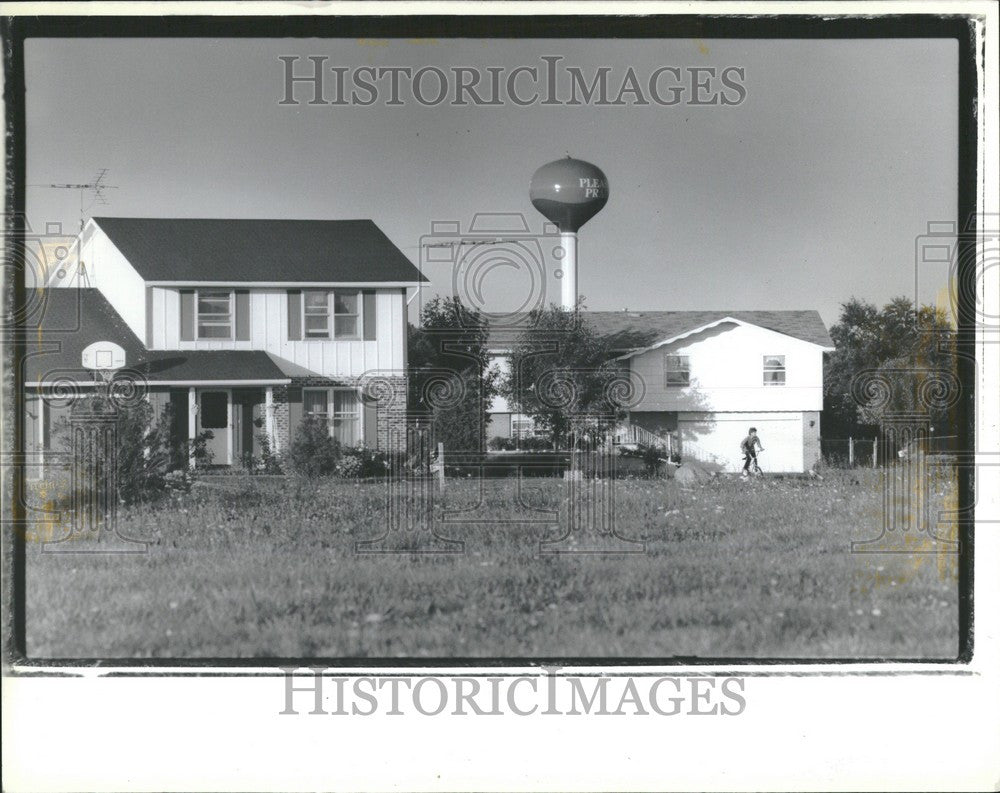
(754, 465)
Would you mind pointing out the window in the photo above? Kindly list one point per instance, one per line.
(315, 403)
(774, 370)
(215, 314)
(316, 311)
(346, 417)
(214, 410)
(522, 428)
(678, 370)
(339, 408)
(346, 314)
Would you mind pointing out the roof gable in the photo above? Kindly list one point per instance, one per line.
(261, 251)
(636, 330)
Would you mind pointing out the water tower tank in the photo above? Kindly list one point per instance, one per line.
(569, 192)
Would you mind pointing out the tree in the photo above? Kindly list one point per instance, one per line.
(562, 374)
(145, 454)
(897, 359)
(449, 372)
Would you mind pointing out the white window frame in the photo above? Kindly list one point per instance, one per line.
(765, 369)
(331, 321)
(197, 316)
(331, 416)
(525, 426)
(305, 313)
(667, 370)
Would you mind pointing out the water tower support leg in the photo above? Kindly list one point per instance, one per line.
(568, 267)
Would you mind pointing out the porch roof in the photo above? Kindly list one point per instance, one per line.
(65, 321)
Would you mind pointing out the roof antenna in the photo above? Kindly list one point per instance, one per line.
(96, 188)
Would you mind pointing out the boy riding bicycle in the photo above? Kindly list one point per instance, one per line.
(749, 446)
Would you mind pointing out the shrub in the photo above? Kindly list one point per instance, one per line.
(349, 466)
(500, 444)
(535, 443)
(148, 463)
(314, 452)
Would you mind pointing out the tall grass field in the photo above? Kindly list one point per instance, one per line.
(268, 568)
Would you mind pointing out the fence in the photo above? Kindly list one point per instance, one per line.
(875, 451)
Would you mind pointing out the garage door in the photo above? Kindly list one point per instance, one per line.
(715, 438)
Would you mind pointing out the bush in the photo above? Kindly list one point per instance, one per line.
(148, 464)
(314, 452)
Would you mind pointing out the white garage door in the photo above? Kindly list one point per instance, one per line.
(715, 438)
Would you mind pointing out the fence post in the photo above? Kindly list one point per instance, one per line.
(850, 452)
(875, 452)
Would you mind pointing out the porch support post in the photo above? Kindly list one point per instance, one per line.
(272, 436)
(192, 423)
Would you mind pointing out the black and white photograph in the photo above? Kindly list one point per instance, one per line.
(391, 342)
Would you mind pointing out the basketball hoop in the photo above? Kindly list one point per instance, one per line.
(103, 358)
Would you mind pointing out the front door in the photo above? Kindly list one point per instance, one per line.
(215, 416)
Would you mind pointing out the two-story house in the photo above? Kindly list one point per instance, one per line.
(708, 376)
(244, 326)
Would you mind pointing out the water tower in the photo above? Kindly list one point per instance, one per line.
(569, 193)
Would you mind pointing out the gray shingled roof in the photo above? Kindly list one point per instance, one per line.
(636, 329)
(241, 250)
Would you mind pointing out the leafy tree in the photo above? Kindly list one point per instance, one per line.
(449, 372)
(560, 373)
(905, 354)
(145, 454)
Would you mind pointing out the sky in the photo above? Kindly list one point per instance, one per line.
(809, 192)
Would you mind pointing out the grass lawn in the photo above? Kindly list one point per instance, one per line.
(732, 568)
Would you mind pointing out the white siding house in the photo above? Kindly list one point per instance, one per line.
(707, 377)
(241, 326)
(711, 384)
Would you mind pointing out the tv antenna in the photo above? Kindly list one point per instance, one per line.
(96, 190)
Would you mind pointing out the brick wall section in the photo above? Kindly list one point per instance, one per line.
(390, 411)
(281, 417)
(393, 415)
(810, 439)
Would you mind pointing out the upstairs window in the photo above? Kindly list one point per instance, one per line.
(316, 311)
(215, 314)
(346, 314)
(344, 305)
(774, 370)
(677, 370)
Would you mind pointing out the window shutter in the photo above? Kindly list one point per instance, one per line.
(294, 314)
(187, 315)
(294, 413)
(370, 407)
(242, 309)
(369, 314)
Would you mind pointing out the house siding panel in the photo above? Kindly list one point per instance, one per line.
(727, 373)
(269, 331)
